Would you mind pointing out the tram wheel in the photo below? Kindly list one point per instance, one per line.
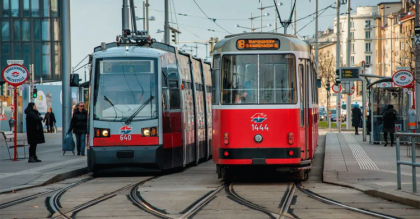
(302, 174)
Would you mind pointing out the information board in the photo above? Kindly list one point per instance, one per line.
(350, 74)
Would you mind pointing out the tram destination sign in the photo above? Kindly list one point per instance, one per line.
(350, 74)
(258, 44)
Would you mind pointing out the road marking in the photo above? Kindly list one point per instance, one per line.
(388, 183)
(37, 170)
(364, 161)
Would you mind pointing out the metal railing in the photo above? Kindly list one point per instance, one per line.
(413, 163)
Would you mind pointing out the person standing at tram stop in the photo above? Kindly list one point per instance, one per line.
(78, 125)
(34, 131)
(356, 118)
(389, 118)
(49, 120)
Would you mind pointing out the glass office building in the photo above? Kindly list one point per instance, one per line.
(31, 31)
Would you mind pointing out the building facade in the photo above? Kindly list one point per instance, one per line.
(30, 31)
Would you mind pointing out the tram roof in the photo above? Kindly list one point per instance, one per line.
(287, 42)
(130, 50)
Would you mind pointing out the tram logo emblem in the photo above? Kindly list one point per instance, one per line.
(15, 74)
(125, 130)
(258, 117)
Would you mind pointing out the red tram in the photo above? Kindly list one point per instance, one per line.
(265, 104)
(149, 108)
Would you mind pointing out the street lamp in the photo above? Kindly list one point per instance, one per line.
(252, 29)
(261, 16)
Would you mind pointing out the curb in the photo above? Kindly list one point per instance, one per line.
(57, 178)
(394, 196)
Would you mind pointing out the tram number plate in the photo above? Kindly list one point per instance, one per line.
(255, 127)
(125, 137)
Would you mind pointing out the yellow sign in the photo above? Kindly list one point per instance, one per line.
(258, 44)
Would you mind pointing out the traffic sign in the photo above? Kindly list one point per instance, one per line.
(352, 91)
(403, 78)
(336, 89)
(15, 74)
(350, 73)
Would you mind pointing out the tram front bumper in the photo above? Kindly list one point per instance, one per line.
(259, 156)
(148, 157)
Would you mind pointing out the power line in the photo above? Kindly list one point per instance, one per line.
(313, 19)
(212, 19)
(176, 18)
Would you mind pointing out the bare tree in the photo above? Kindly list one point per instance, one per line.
(326, 67)
(405, 56)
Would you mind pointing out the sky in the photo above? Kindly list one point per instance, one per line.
(96, 21)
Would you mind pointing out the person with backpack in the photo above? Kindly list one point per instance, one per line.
(356, 118)
(78, 125)
(389, 118)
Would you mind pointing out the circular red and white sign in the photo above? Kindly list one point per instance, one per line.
(15, 74)
(336, 88)
(351, 91)
(403, 78)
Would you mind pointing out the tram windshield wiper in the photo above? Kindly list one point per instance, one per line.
(113, 106)
(138, 110)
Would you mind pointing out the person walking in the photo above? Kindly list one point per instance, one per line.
(49, 120)
(389, 118)
(78, 125)
(34, 131)
(356, 118)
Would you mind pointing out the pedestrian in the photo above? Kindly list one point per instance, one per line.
(389, 118)
(34, 131)
(49, 120)
(356, 118)
(78, 125)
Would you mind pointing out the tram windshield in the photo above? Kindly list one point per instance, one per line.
(258, 79)
(125, 88)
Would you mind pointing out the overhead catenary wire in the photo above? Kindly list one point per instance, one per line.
(176, 18)
(212, 19)
(324, 10)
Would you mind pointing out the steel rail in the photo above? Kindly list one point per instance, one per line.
(288, 200)
(328, 201)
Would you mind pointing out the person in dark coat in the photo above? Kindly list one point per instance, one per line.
(49, 120)
(34, 131)
(78, 125)
(356, 118)
(389, 118)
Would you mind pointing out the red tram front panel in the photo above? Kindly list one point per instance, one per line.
(235, 130)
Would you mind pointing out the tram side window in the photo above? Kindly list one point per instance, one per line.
(215, 73)
(301, 76)
(174, 95)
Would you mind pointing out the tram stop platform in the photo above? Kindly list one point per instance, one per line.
(17, 175)
(369, 168)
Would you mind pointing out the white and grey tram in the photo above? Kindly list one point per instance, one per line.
(149, 108)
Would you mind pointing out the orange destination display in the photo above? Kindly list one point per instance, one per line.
(257, 44)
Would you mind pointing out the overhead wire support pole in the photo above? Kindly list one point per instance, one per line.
(337, 66)
(66, 67)
(351, 83)
(316, 35)
(133, 16)
(166, 37)
(125, 19)
(294, 21)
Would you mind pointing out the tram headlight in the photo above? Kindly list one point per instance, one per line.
(102, 133)
(145, 132)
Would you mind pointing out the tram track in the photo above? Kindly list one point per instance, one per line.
(138, 201)
(54, 205)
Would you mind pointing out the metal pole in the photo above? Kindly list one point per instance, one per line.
(261, 17)
(413, 160)
(15, 125)
(125, 16)
(66, 67)
(416, 68)
(31, 68)
(294, 21)
(391, 44)
(337, 65)
(328, 109)
(275, 18)
(364, 108)
(398, 162)
(348, 65)
(166, 37)
(316, 34)
(146, 15)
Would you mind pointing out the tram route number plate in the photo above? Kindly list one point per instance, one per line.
(258, 44)
(124, 137)
(259, 127)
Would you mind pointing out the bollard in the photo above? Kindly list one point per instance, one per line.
(413, 159)
(398, 162)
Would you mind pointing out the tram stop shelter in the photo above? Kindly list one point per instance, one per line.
(379, 99)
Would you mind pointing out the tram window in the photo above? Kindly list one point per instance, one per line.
(301, 75)
(174, 99)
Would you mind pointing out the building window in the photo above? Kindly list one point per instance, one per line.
(367, 60)
(57, 59)
(367, 23)
(46, 8)
(56, 30)
(16, 31)
(46, 59)
(352, 47)
(367, 35)
(6, 8)
(46, 30)
(37, 30)
(5, 53)
(368, 47)
(16, 52)
(14, 8)
(5, 31)
(352, 60)
(26, 52)
(38, 63)
(26, 30)
(26, 8)
(54, 8)
(352, 35)
(352, 24)
(35, 8)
